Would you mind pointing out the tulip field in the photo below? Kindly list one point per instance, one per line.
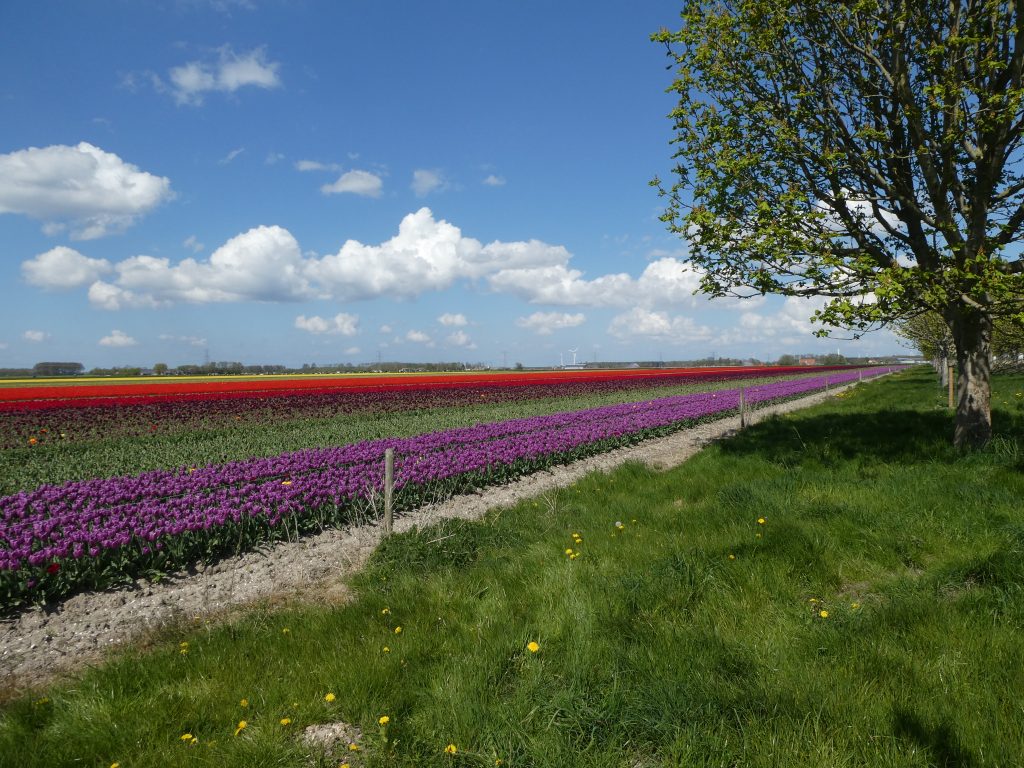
(111, 527)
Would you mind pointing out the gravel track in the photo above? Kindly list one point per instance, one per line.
(42, 644)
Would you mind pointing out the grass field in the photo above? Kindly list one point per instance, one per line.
(833, 588)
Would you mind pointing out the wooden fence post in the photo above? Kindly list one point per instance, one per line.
(743, 407)
(389, 488)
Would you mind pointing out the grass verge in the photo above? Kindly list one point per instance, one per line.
(872, 619)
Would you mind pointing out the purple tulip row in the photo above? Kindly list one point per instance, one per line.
(88, 518)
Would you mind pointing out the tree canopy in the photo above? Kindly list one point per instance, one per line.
(868, 152)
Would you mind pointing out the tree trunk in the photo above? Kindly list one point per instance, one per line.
(972, 334)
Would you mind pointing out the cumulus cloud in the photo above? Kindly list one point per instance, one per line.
(117, 339)
(63, 268)
(266, 263)
(35, 336)
(194, 341)
(451, 320)
(494, 181)
(418, 336)
(546, 323)
(460, 339)
(357, 183)
(263, 264)
(341, 324)
(193, 244)
(645, 323)
(192, 81)
(316, 165)
(93, 191)
(424, 182)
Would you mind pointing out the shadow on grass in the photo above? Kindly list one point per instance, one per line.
(892, 435)
(939, 741)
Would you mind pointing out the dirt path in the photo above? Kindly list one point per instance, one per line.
(43, 643)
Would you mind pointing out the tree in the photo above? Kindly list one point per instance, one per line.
(160, 369)
(788, 360)
(866, 152)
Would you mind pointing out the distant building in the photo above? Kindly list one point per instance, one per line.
(808, 360)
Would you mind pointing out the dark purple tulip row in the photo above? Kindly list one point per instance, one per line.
(98, 526)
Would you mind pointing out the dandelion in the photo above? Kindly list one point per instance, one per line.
(619, 525)
(243, 703)
(329, 698)
(398, 630)
(186, 737)
(353, 747)
(451, 749)
(532, 646)
(242, 725)
(385, 649)
(183, 648)
(115, 765)
(823, 613)
(812, 600)
(732, 556)
(855, 606)
(286, 721)
(568, 552)
(383, 720)
(385, 611)
(574, 555)
(760, 521)
(286, 631)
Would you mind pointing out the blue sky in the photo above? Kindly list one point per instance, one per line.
(292, 182)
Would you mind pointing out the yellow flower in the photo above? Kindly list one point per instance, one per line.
(619, 525)
(398, 630)
(758, 535)
(243, 703)
(383, 720)
(385, 611)
(343, 765)
(329, 698)
(286, 482)
(241, 727)
(823, 614)
(532, 646)
(855, 606)
(451, 749)
(385, 649)
(760, 521)
(286, 631)
(183, 648)
(115, 765)
(286, 721)
(568, 551)
(813, 600)
(186, 737)
(353, 747)
(732, 556)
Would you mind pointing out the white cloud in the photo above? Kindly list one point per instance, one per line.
(418, 336)
(96, 192)
(231, 156)
(341, 324)
(193, 244)
(494, 181)
(316, 165)
(665, 281)
(263, 264)
(385, 329)
(353, 351)
(356, 182)
(640, 322)
(451, 320)
(545, 323)
(273, 158)
(424, 182)
(62, 268)
(118, 339)
(194, 341)
(230, 72)
(35, 336)
(460, 339)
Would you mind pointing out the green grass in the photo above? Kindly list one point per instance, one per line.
(656, 647)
